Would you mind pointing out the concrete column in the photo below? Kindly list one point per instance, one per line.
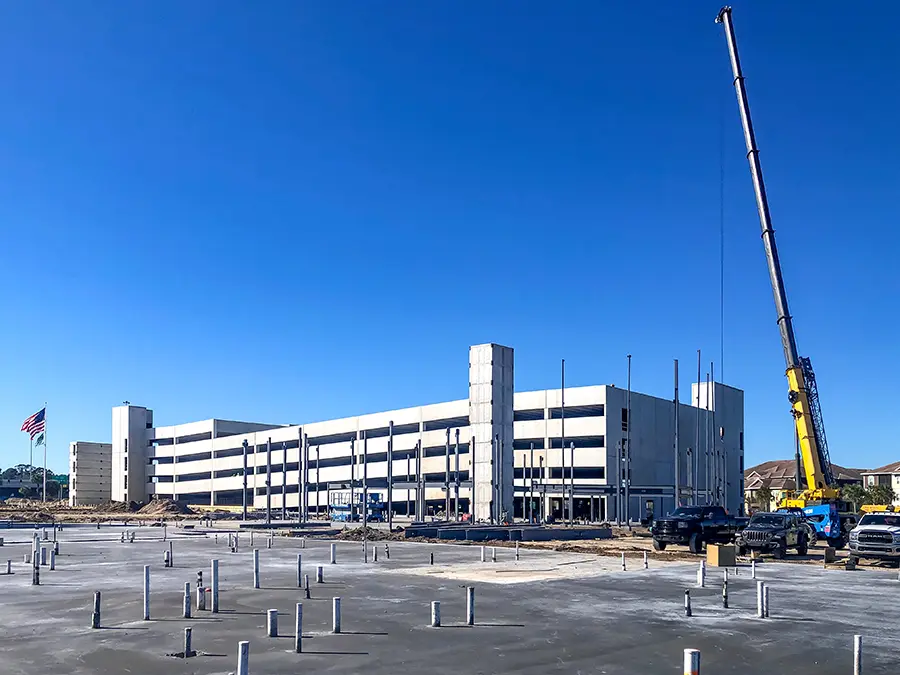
(299, 570)
(691, 662)
(435, 614)
(272, 623)
(243, 659)
(470, 605)
(214, 583)
(490, 412)
(298, 628)
(52, 559)
(188, 649)
(320, 574)
(95, 615)
(186, 613)
(335, 615)
(333, 558)
(857, 655)
(256, 568)
(146, 592)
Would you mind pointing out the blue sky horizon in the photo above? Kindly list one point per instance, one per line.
(294, 212)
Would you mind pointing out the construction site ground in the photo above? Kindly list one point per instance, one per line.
(549, 611)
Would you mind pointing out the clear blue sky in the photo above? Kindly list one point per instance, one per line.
(291, 211)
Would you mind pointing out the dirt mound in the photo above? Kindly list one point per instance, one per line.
(34, 504)
(368, 534)
(117, 507)
(165, 507)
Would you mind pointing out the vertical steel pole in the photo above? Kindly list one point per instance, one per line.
(562, 434)
(303, 478)
(447, 478)
(456, 481)
(706, 439)
(284, 480)
(390, 476)
(677, 447)
(572, 482)
(542, 514)
(472, 479)
(530, 515)
(268, 481)
(352, 478)
(628, 448)
(365, 484)
(697, 440)
(712, 436)
(244, 500)
(500, 478)
(420, 482)
(619, 483)
(317, 481)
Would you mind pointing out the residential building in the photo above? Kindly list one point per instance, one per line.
(780, 477)
(889, 474)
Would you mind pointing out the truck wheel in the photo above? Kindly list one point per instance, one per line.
(802, 549)
(780, 551)
(659, 545)
(813, 536)
(695, 544)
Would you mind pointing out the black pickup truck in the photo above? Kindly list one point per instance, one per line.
(696, 526)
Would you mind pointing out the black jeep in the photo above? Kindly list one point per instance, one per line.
(775, 533)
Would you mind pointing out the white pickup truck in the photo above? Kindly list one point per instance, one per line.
(876, 536)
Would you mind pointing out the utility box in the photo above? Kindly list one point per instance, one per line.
(720, 555)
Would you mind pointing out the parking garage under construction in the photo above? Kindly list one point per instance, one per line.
(589, 453)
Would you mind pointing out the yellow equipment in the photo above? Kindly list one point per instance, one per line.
(803, 393)
(878, 508)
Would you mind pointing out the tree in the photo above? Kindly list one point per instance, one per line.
(855, 494)
(25, 491)
(10, 474)
(763, 498)
(880, 494)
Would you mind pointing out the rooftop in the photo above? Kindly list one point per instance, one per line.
(781, 474)
(887, 468)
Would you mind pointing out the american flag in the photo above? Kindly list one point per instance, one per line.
(34, 424)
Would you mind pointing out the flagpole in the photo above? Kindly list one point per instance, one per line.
(30, 451)
(45, 451)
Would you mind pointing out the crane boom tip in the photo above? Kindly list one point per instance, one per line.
(720, 16)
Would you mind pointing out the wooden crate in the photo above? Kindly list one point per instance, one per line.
(720, 555)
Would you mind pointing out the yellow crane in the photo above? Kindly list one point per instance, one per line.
(802, 389)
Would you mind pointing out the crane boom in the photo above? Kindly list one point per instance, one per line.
(803, 392)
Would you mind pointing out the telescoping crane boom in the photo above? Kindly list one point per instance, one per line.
(803, 394)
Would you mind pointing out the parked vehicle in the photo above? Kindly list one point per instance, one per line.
(347, 508)
(877, 536)
(696, 526)
(775, 533)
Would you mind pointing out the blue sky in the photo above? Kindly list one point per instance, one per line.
(294, 211)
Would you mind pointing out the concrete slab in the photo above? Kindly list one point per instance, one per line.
(597, 619)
